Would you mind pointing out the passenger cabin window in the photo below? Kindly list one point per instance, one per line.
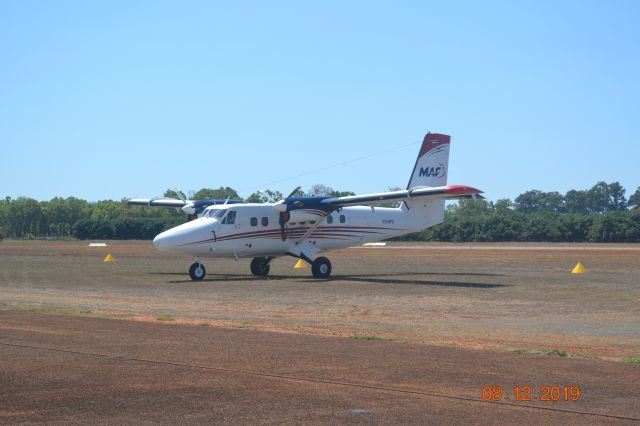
(342, 219)
(265, 221)
(254, 221)
(329, 219)
(230, 218)
(312, 222)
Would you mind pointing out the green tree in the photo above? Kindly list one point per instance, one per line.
(470, 208)
(615, 227)
(221, 193)
(617, 200)
(320, 189)
(174, 193)
(634, 199)
(577, 201)
(108, 210)
(3, 217)
(265, 196)
(538, 201)
(23, 217)
(63, 213)
(604, 197)
(503, 205)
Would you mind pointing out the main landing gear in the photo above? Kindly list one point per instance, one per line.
(260, 266)
(320, 268)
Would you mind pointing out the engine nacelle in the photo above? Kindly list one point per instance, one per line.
(305, 215)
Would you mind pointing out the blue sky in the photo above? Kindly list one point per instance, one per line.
(108, 99)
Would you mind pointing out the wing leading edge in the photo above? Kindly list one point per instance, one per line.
(449, 192)
(156, 202)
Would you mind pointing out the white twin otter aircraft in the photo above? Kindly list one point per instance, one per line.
(304, 226)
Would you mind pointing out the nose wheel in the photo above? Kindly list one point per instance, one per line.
(321, 268)
(197, 271)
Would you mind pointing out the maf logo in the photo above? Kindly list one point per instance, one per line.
(432, 171)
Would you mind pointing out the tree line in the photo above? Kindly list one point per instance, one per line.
(599, 214)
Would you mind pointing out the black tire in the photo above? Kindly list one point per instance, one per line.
(197, 272)
(321, 268)
(260, 266)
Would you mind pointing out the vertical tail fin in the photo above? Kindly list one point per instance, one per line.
(430, 170)
(433, 161)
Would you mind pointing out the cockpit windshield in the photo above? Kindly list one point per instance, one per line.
(216, 213)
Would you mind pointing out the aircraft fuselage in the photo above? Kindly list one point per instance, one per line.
(255, 231)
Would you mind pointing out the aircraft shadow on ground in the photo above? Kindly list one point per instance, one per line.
(386, 279)
(411, 279)
(215, 277)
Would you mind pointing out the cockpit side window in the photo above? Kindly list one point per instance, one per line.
(230, 218)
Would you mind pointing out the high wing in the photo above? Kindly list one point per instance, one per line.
(190, 207)
(449, 192)
(157, 202)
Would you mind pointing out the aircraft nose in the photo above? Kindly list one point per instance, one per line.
(162, 241)
(179, 238)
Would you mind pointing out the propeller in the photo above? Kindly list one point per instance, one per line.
(282, 206)
(180, 194)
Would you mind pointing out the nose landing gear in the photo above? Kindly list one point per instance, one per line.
(197, 271)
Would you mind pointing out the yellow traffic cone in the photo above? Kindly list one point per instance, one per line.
(300, 264)
(578, 269)
(109, 258)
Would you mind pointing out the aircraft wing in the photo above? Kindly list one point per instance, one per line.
(156, 202)
(449, 192)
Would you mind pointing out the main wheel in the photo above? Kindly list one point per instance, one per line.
(321, 268)
(197, 271)
(260, 266)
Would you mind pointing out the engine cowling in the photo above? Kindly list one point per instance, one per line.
(302, 215)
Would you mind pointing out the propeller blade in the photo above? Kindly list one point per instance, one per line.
(180, 195)
(292, 193)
